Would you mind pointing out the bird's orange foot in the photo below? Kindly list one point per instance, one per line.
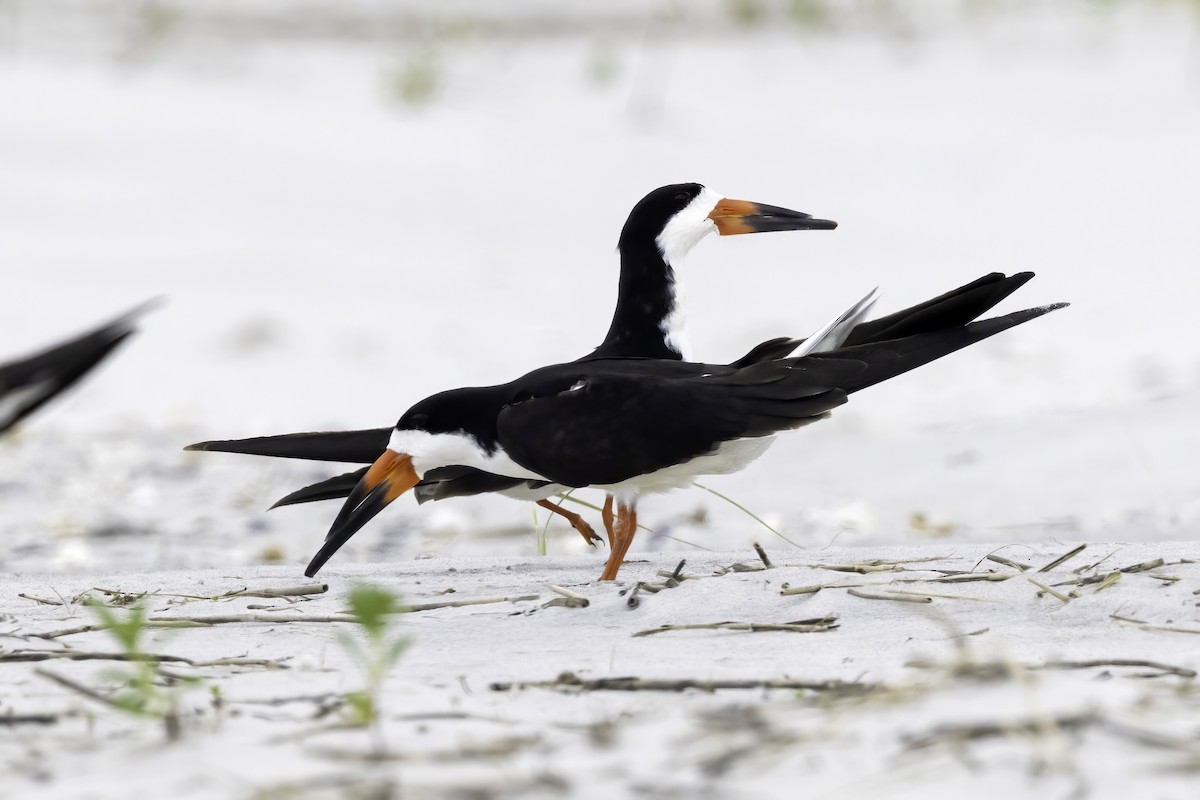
(586, 531)
(576, 521)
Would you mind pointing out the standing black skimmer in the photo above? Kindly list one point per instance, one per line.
(634, 426)
(648, 322)
(29, 383)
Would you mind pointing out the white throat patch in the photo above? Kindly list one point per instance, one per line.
(680, 235)
(432, 450)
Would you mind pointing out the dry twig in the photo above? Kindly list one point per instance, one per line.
(76, 686)
(1166, 669)
(1067, 556)
(205, 620)
(1008, 562)
(13, 720)
(902, 598)
(24, 656)
(817, 625)
(957, 734)
(569, 681)
(1052, 592)
(1145, 565)
(285, 591)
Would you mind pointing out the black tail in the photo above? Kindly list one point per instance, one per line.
(351, 447)
(887, 359)
(957, 307)
(788, 393)
(29, 383)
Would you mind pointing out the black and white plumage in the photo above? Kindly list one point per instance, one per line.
(957, 307)
(633, 426)
(28, 383)
(648, 322)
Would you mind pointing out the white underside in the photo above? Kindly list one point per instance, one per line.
(429, 451)
(533, 495)
(729, 457)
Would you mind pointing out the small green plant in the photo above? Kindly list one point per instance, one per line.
(746, 12)
(141, 691)
(811, 14)
(539, 533)
(417, 80)
(372, 608)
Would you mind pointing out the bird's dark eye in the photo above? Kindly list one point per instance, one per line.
(419, 420)
(683, 197)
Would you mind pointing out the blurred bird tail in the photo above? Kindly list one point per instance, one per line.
(29, 383)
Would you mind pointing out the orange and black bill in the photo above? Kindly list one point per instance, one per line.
(743, 216)
(389, 477)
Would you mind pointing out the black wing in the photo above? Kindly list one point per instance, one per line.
(613, 428)
(609, 429)
(957, 307)
(29, 383)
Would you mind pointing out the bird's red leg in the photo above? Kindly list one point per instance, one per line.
(630, 530)
(576, 521)
(626, 527)
(607, 515)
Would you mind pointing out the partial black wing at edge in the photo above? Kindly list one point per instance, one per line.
(29, 383)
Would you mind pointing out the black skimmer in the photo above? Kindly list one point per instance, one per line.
(28, 383)
(648, 322)
(636, 426)
(954, 308)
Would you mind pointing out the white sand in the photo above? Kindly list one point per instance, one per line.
(1133, 726)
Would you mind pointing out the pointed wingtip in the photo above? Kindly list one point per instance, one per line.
(1037, 311)
(127, 322)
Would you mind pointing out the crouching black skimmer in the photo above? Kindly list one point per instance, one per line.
(632, 426)
(28, 383)
(954, 308)
(648, 322)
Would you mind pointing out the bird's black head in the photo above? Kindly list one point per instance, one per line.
(652, 213)
(674, 218)
(440, 413)
(469, 411)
